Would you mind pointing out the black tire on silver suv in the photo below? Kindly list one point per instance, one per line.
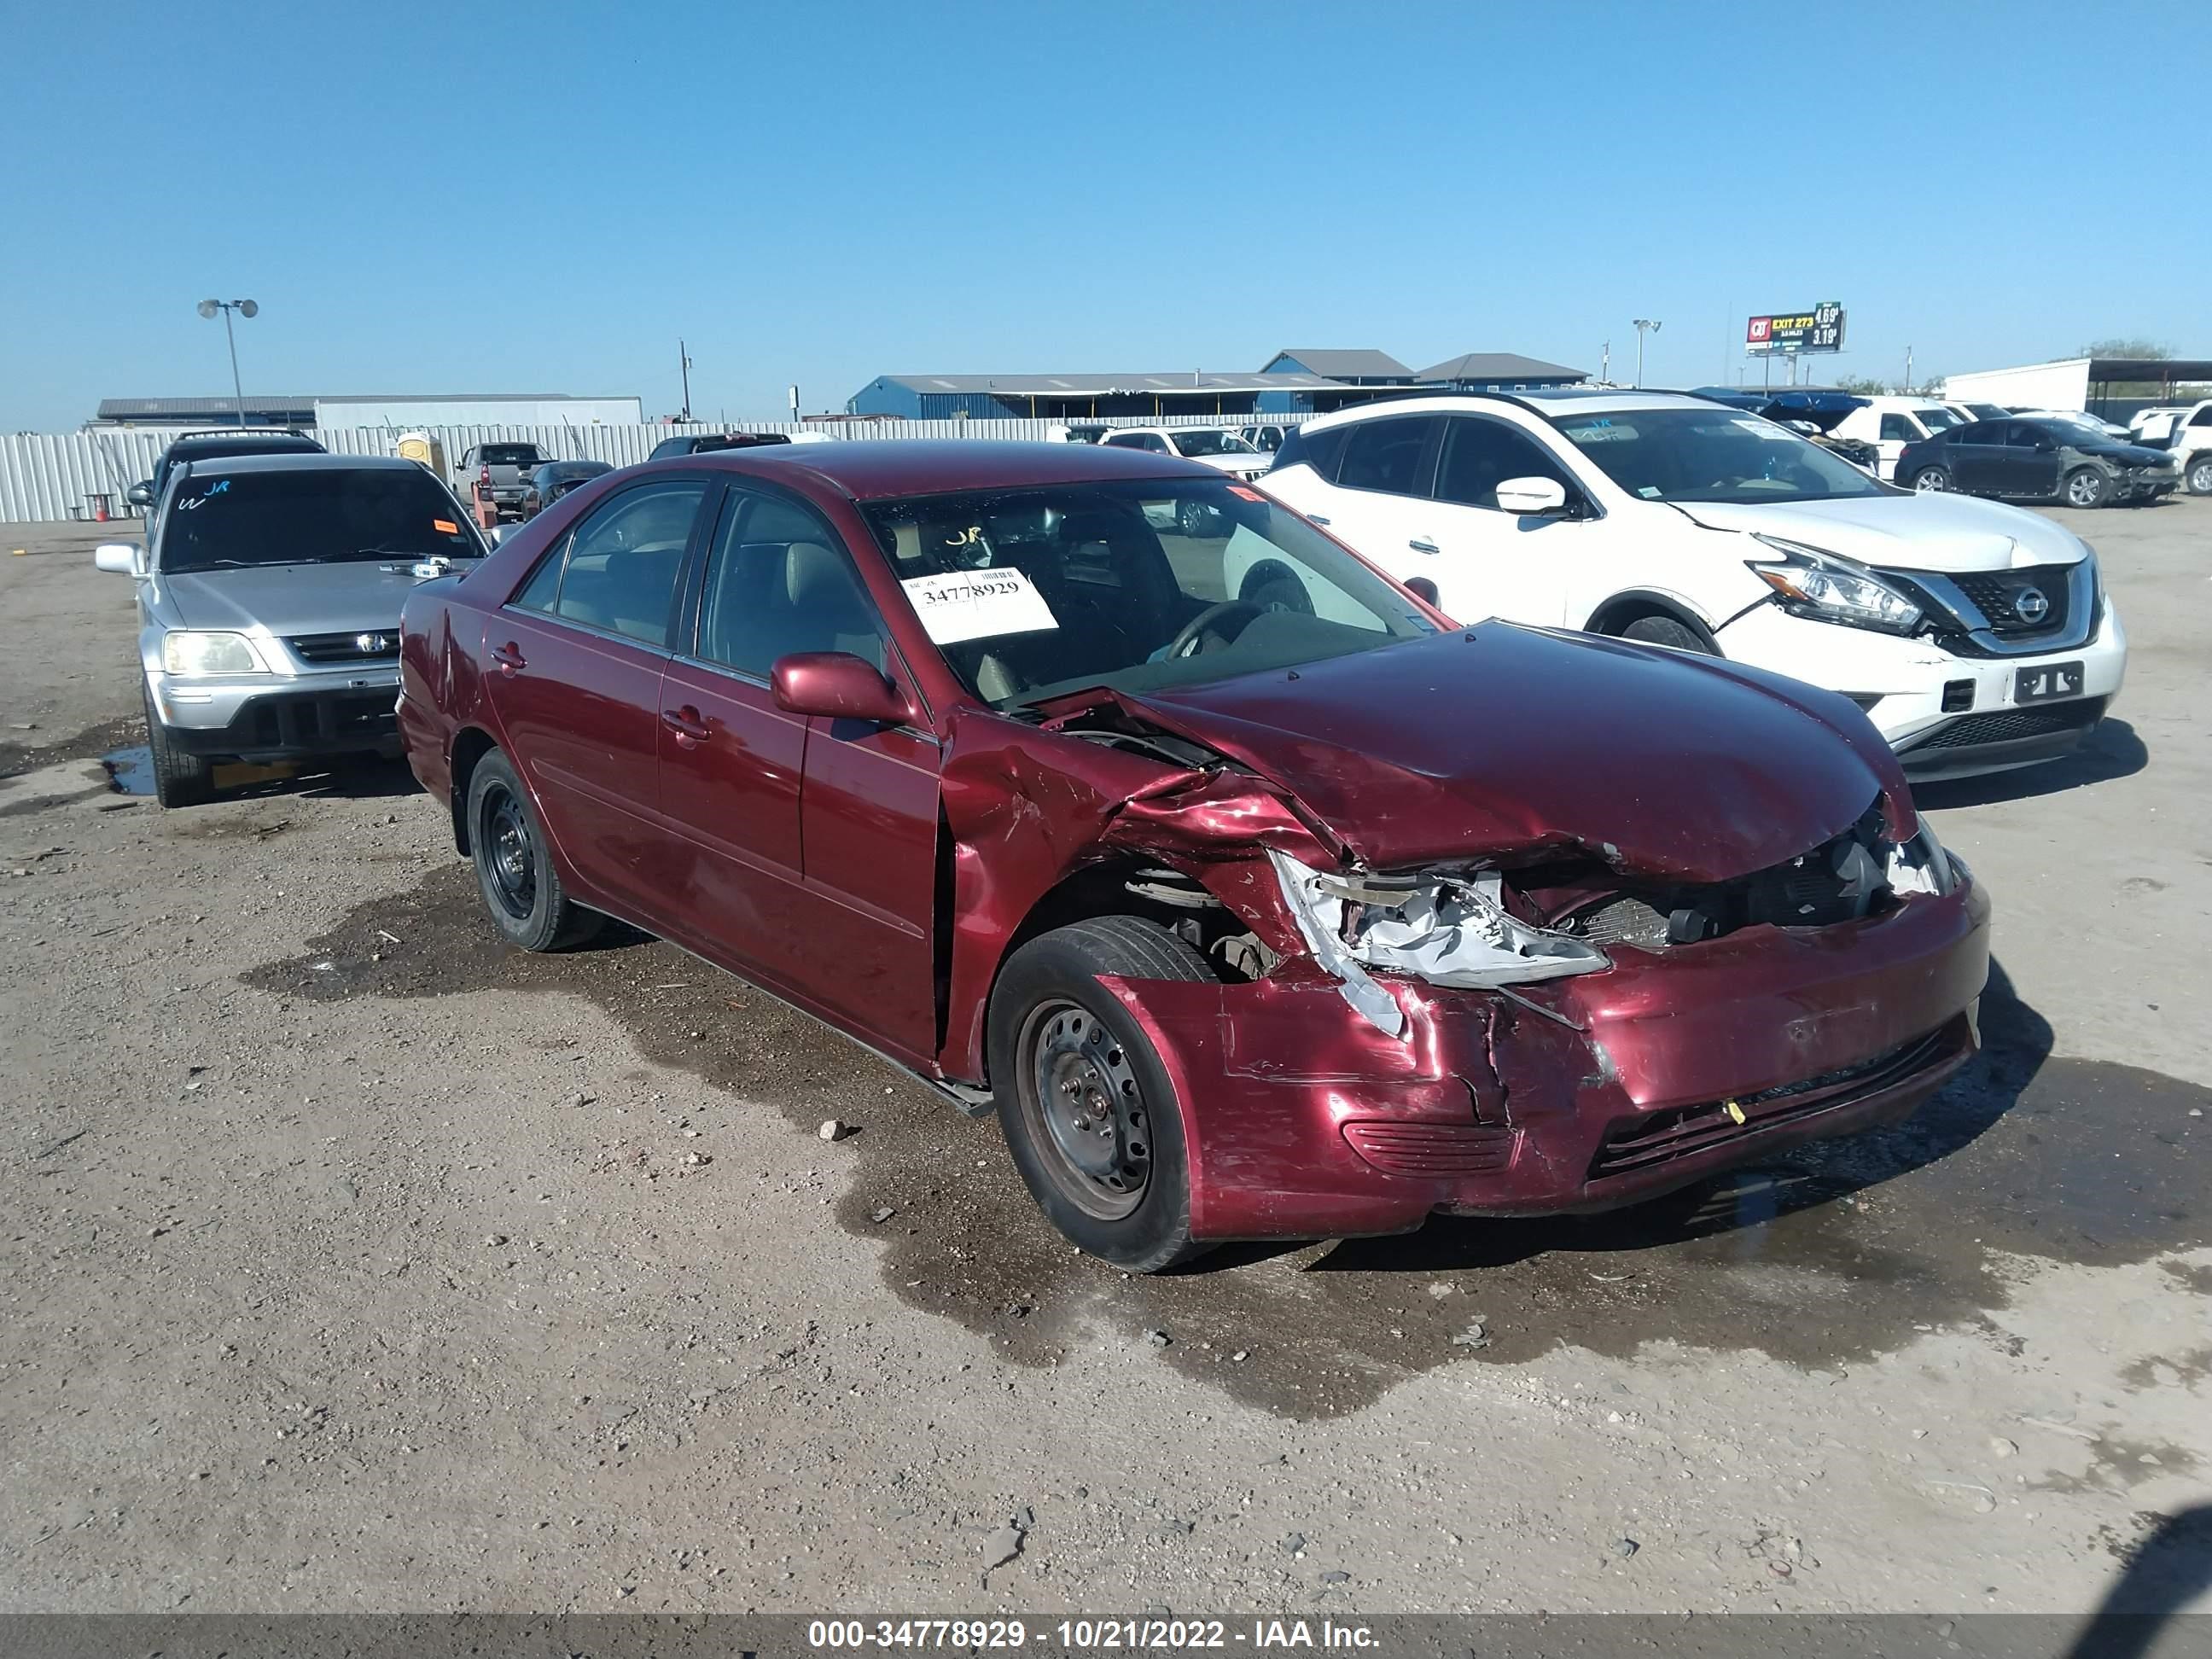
(521, 888)
(180, 777)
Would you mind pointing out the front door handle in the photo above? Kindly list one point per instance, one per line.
(509, 657)
(1317, 518)
(1423, 544)
(689, 727)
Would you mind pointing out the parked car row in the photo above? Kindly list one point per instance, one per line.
(1499, 806)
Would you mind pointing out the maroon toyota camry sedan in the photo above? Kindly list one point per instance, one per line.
(1091, 786)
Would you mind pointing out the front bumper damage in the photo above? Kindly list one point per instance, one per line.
(1307, 1120)
(1326, 1096)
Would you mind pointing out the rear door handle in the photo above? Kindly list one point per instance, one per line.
(1423, 544)
(509, 657)
(689, 725)
(1317, 518)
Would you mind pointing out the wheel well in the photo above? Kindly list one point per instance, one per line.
(471, 746)
(1617, 612)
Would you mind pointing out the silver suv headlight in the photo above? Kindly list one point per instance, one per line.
(190, 654)
(1827, 588)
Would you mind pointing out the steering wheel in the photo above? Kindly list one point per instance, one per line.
(1186, 641)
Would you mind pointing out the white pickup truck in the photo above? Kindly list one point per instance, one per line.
(504, 467)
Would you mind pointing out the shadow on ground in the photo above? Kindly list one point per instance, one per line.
(2113, 752)
(1829, 1254)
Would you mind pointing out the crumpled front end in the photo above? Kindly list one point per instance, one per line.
(1475, 1035)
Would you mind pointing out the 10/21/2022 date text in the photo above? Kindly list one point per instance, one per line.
(1087, 1635)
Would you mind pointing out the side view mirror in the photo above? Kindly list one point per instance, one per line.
(837, 685)
(1423, 587)
(118, 558)
(140, 494)
(1531, 498)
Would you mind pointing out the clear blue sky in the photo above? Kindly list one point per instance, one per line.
(428, 198)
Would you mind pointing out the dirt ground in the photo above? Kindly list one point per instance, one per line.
(354, 1263)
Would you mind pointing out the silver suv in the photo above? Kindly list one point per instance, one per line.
(269, 606)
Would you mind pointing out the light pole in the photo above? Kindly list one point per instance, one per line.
(1644, 325)
(684, 363)
(244, 308)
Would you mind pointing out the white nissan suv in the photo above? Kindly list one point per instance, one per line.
(1977, 636)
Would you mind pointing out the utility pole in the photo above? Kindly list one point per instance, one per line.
(1644, 325)
(1605, 364)
(1907, 387)
(683, 367)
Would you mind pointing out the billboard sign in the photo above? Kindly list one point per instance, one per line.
(1818, 329)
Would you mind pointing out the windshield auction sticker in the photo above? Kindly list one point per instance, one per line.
(978, 604)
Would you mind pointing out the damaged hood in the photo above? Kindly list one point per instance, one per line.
(1942, 533)
(1501, 741)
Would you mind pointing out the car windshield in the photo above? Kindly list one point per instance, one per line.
(317, 517)
(510, 455)
(1210, 443)
(1711, 455)
(1035, 592)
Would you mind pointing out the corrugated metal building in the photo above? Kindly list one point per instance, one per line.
(1078, 396)
(1294, 381)
(374, 409)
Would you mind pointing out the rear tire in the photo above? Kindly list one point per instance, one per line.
(1091, 1118)
(2085, 487)
(514, 871)
(1665, 630)
(1196, 520)
(1931, 480)
(180, 778)
(2200, 476)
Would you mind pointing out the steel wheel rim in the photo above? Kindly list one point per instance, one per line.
(510, 852)
(2084, 492)
(1078, 1088)
(1930, 482)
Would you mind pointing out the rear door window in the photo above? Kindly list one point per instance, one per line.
(1387, 455)
(624, 561)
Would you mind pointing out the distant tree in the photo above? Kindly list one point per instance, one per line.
(1864, 384)
(2148, 349)
(2119, 347)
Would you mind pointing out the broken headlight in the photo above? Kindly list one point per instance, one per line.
(1921, 865)
(1448, 928)
(1827, 588)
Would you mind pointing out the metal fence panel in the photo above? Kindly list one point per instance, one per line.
(51, 476)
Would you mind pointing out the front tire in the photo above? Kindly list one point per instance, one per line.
(1665, 630)
(1194, 519)
(180, 777)
(514, 872)
(2085, 487)
(2200, 476)
(1091, 1118)
(1931, 480)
